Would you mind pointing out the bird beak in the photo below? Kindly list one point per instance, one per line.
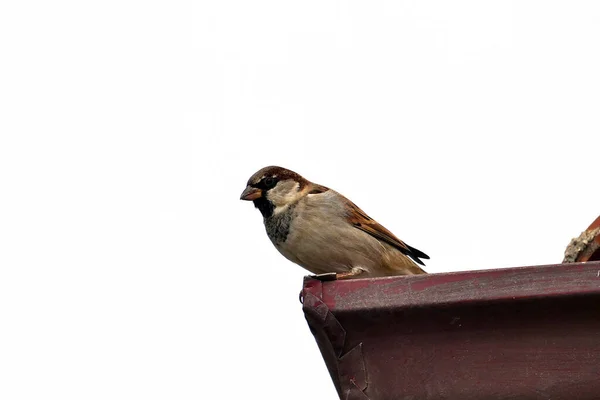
(251, 193)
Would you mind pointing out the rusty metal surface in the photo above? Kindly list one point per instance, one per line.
(517, 333)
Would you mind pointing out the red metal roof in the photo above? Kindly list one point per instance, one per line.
(516, 333)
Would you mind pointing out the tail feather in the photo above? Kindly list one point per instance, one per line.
(416, 255)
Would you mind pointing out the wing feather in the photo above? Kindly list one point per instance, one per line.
(362, 221)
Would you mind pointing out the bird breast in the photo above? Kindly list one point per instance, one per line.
(315, 233)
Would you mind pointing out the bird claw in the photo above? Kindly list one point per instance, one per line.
(332, 276)
(329, 276)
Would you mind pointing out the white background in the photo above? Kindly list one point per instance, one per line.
(129, 269)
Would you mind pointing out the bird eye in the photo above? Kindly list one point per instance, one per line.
(269, 182)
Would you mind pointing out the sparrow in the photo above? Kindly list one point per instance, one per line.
(324, 232)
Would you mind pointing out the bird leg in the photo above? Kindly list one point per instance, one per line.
(354, 272)
(333, 276)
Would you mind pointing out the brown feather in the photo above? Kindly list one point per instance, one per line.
(316, 189)
(362, 221)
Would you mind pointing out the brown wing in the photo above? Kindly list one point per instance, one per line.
(365, 223)
(316, 189)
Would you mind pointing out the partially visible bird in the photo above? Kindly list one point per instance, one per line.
(324, 232)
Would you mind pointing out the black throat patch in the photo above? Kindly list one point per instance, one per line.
(278, 226)
(264, 206)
